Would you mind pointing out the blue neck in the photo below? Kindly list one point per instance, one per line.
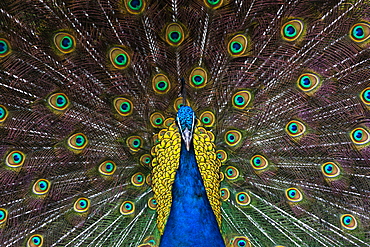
(191, 221)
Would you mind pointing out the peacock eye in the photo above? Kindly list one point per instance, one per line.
(221, 155)
(135, 6)
(134, 143)
(58, 101)
(198, 78)
(3, 113)
(365, 96)
(360, 136)
(64, 42)
(4, 47)
(348, 221)
(41, 187)
(107, 168)
(243, 199)
(146, 160)
(330, 169)
(293, 195)
(225, 194)
(295, 128)
(179, 103)
(3, 215)
(233, 137)
(77, 141)
(161, 84)
(152, 203)
(119, 58)
(231, 173)
(35, 241)
(157, 120)
(138, 179)
(237, 46)
(241, 241)
(259, 162)
(213, 4)
(292, 30)
(240, 100)
(127, 208)
(15, 159)
(81, 205)
(174, 34)
(307, 82)
(360, 32)
(123, 106)
(207, 118)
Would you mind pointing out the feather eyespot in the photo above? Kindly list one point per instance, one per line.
(225, 194)
(146, 160)
(174, 34)
(179, 103)
(295, 128)
(152, 203)
(198, 78)
(138, 179)
(135, 143)
(157, 120)
(240, 242)
(243, 199)
(308, 82)
(231, 173)
(77, 141)
(348, 221)
(58, 101)
(360, 136)
(35, 241)
(15, 159)
(208, 119)
(107, 168)
(292, 30)
(64, 42)
(330, 169)
(360, 32)
(213, 4)
(127, 208)
(233, 137)
(293, 195)
(365, 96)
(135, 6)
(119, 58)
(3, 215)
(123, 106)
(81, 205)
(161, 84)
(221, 155)
(259, 162)
(241, 99)
(3, 113)
(4, 47)
(237, 46)
(41, 187)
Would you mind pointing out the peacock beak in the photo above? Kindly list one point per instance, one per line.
(186, 136)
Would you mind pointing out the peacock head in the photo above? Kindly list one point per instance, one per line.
(186, 122)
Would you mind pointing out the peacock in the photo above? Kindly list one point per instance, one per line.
(169, 123)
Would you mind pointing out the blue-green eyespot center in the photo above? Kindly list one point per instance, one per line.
(219, 156)
(135, 4)
(174, 36)
(161, 85)
(121, 59)
(136, 143)
(147, 160)
(139, 178)
(231, 137)
(241, 197)
(43, 185)
(2, 112)
(290, 30)
(158, 121)
(230, 172)
(109, 167)
(4, 48)
(83, 203)
(366, 95)
(61, 101)
(128, 206)
(236, 47)
(292, 193)
(357, 135)
(358, 32)
(2, 214)
(125, 107)
(17, 157)
(328, 168)
(257, 161)
(206, 120)
(242, 243)
(80, 140)
(293, 128)
(36, 240)
(305, 82)
(213, 2)
(197, 80)
(347, 220)
(66, 43)
(239, 100)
